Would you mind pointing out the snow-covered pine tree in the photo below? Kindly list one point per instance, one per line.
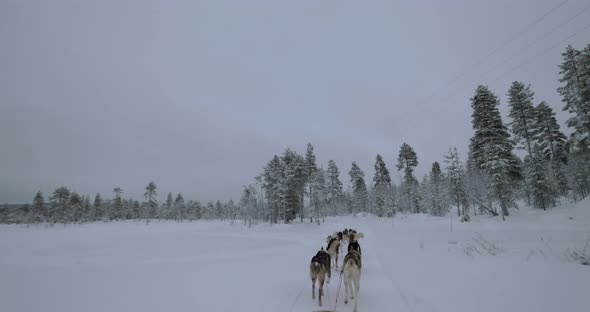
(38, 208)
(117, 207)
(248, 205)
(167, 212)
(97, 208)
(522, 114)
(180, 207)
(551, 141)
(524, 122)
(439, 204)
(87, 208)
(491, 148)
(381, 188)
(74, 213)
(295, 178)
(408, 160)
(334, 190)
(578, 172)
(359, 189)
(151, 204)
(272, 182)
(425, 194)
(456, 183)
(543, 190)
(311, 168)
(218, 210)
(319, 196)
(59, 201)
(552, 144)
(575, 91)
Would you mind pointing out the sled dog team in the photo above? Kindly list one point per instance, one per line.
(321, 264)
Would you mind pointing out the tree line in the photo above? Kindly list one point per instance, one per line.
(490, 180)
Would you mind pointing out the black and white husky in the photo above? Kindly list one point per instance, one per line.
(318, 269)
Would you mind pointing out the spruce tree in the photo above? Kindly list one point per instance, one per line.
(334, 190)
(522, 113)
(491, 148)
(320, 194)
(97, 208)
(381, 187)
(456, 183)
(575, 91)
(38, 207)
(543, 189)
(151, 205)
(117, 207)
(59, 204)
(359, 188)
(311, 168)
(408, 160)
(180, 207)
(435, 189)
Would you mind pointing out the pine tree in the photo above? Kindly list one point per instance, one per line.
(74, 213)
(295, 178)
(97, 208)
(575, 91)
(359, 189)
(552, 142)
(334, 190)
(437, 201)
(273, 183)
(543, 190)
(491, 148)
(136, 210)
(59, 204)
(249, 204)
(151, 205)
(319, 197)
(87, 213)
(381, 188)
(167, 211)
(38, 207)
(522, 112)
(180, 207)
(407, 160)
(117, 208)
(311, 168)
(578, 173)
(456, 183)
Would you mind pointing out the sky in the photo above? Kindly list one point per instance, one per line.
(198, 95)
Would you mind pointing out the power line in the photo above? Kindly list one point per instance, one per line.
(530, 44)
(501, 46)
(528, 60)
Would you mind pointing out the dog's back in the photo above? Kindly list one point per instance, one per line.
(352, 258)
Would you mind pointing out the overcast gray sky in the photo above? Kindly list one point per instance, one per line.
(199, 95)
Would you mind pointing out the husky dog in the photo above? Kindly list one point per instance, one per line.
(352, 275)
(354, 246)
(334, 247)
(318, 268)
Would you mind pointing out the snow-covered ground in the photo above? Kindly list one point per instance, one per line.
(411, 263)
